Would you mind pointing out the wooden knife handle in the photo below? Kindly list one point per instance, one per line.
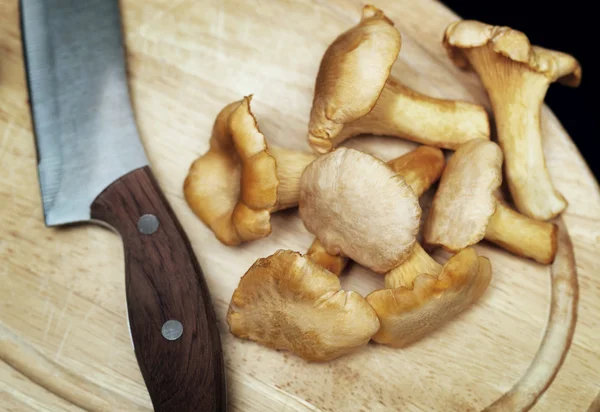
(164, 282)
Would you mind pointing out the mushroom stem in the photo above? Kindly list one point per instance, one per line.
(522, 235)
(355, 95)
(420, 169)
(333, 263)
(290, 165)
(418, 263)
(404, 113)
(517, 109)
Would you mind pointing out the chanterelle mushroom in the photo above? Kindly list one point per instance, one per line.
(354, 94)
(235, 186)
(421, 295)
(424, 294)
(420, 169)
(357, 206)
(465, 210)
(516, 76)
(288, 302)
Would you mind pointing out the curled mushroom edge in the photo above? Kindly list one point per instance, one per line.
(286, 301)
(236, 185)
(421, 295)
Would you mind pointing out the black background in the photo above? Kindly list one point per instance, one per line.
(567, 27)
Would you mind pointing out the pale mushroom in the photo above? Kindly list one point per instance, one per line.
(516, 76)
(419, 168)
(465, 209)
(235, 186)
(421, 295)
(357, 206)
(354, 94)
(288, 302)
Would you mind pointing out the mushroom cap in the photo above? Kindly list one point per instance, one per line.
(512, 44)
(286, 301)
(357, 206)
(464, 202)
(407, 314)
(233, 186)
(363, 56)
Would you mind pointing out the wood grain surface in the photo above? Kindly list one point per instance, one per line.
(163, 282)
(62, 300)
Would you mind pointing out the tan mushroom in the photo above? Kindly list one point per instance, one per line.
(235, 186)
(419, 168)
(334, 207)
(421, 295)
(357, 206)
(354, 95)
(333, 263)
(288, 302)
(465, 210)
(516, 76)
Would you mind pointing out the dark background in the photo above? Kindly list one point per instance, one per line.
(567, 27)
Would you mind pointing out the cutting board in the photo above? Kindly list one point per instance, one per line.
(64, 337)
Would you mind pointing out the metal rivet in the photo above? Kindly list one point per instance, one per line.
(172, 330)
(148, 224)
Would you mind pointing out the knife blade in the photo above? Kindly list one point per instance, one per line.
(92, 168)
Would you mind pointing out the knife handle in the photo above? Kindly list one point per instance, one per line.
(164, 282)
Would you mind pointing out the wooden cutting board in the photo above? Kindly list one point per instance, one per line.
(64, 337)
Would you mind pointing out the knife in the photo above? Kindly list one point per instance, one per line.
(92, 168)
